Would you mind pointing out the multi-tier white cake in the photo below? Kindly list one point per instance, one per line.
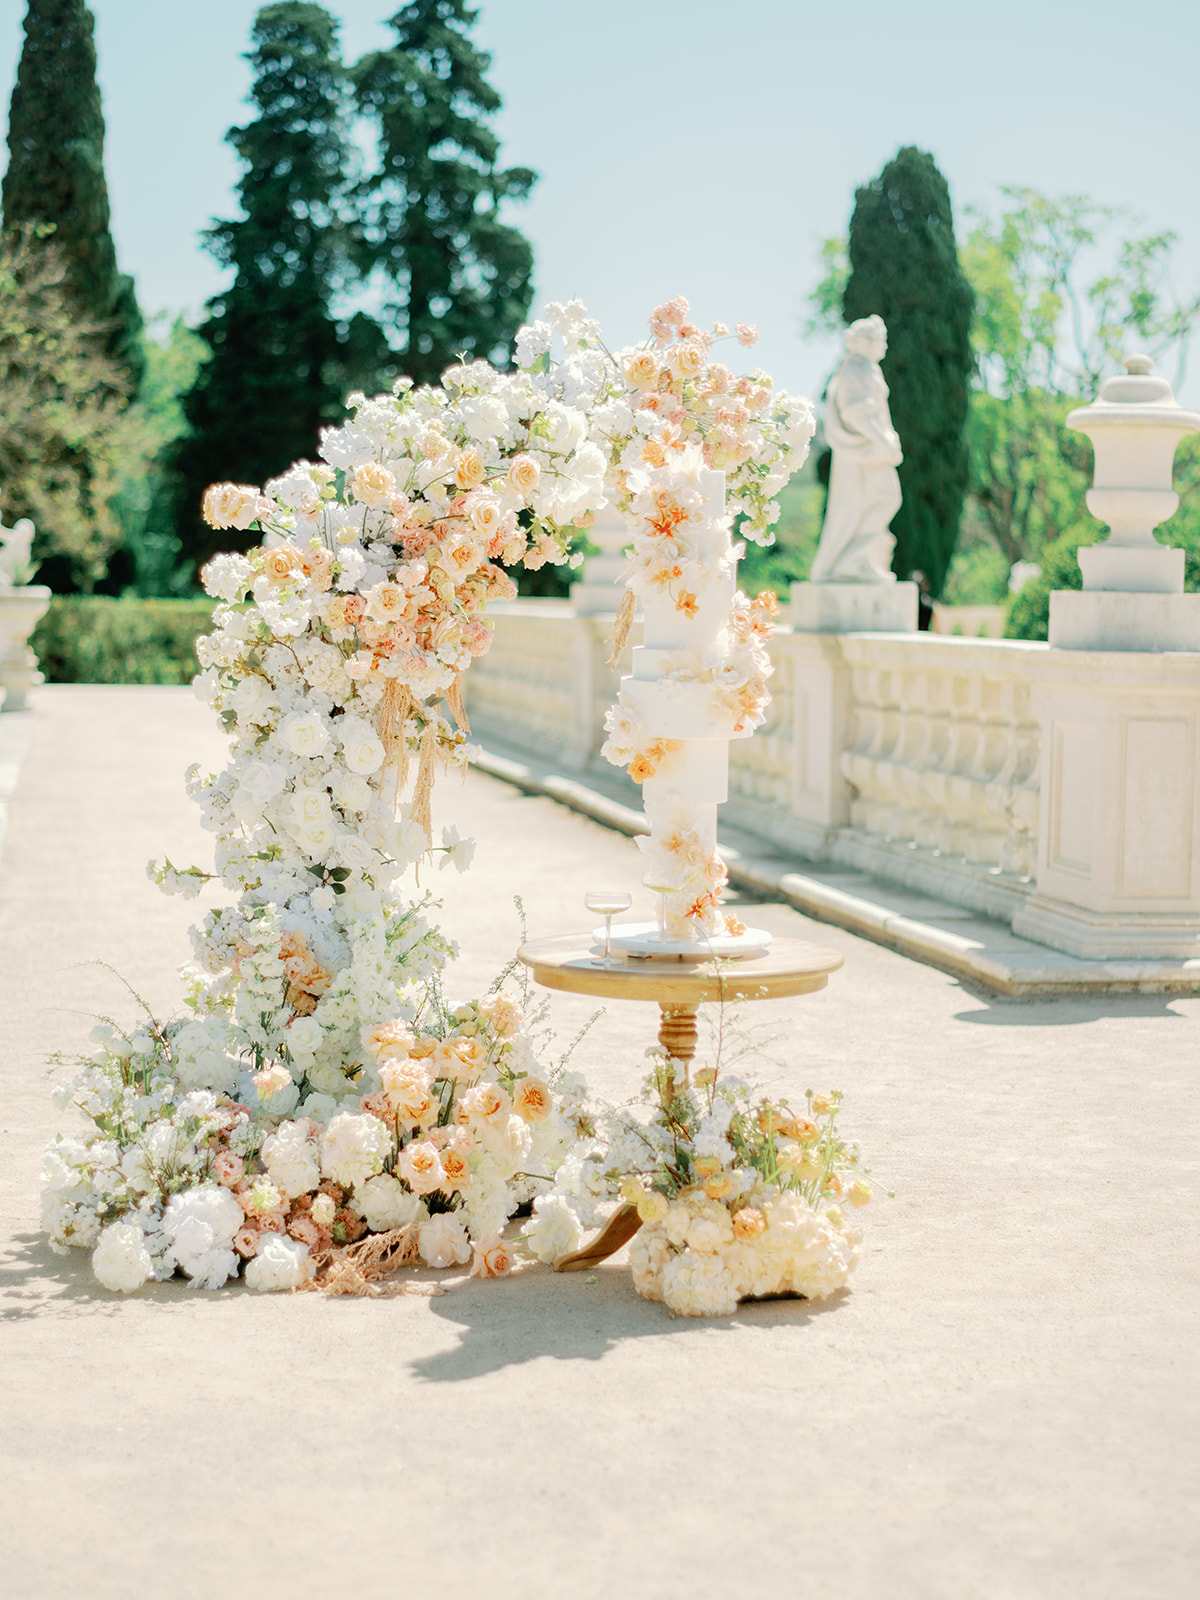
(698, 681)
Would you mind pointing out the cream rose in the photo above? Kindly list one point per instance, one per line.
(641, 369)
(532, 1100)
(372, 484)
(386, 602)
(229, 505)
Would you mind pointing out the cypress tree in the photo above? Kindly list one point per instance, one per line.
(461, 278)
(281, 361)
(55, 173)
(904, 267)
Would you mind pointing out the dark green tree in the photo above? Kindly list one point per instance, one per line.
(904, 266)
(282, 360)
(459, 278)
(55, 174)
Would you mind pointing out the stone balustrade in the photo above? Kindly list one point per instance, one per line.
(924, 759)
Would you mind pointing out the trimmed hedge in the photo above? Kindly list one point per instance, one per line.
(92, 639)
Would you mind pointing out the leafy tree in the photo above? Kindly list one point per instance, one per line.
(904, 266)
(459, 279)
(1045, 339)
(55, 176)
(282, 360)
(64, 429)
(148, 562)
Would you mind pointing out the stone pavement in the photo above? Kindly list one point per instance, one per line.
(1004, 1406)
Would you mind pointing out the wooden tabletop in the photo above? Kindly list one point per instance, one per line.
(574, 962)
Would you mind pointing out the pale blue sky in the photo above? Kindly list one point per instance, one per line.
(696, 147)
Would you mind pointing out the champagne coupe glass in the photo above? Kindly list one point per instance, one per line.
(607, 904)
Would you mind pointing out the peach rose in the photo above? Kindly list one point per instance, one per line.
(454, 1167)
(532, 1100)
(747, 334)
(492, 1259)
(245, 1242)
(524, 474)
(459, 1058)
(487, 1101)
(385, 602)
(283, 563)
(469, 470)
(387, 1038)
(420, 1166)
(372, 484)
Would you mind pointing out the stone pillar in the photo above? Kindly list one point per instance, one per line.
(1118, 871)
(821, 711)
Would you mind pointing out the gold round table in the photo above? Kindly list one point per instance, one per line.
(679, 986)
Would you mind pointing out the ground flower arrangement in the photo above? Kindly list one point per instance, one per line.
(321, 1116)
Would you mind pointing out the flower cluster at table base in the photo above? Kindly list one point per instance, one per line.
(726, 1197)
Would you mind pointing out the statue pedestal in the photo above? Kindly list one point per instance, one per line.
(853, 607)
(1106, 619)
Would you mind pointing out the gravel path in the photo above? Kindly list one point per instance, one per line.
(1005, 1404)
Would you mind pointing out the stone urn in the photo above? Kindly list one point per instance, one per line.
(20, 609)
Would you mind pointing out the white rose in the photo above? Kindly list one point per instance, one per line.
(351, 792)
(310, 805)
(355, 853)
(362, 749)
(303, 733)
(304, 1036)
(317, 839)
(290, 1158)
(250, 694)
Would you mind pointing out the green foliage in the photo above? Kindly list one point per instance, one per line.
(55, 174)
(64, 428)
(149, 560)
(281, 360)
(459, 278)
(1045, 336)
(904, 266)
(92, 639)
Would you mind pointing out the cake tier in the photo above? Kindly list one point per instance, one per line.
(666, 627)
(697, 772)
(679, 710)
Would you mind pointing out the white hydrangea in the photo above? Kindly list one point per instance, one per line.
(199, 1225)
(443, 1241)
(384, 1203)
(291, 1158)
(554, 1230)
(354, 1148)
(121, 1260)
(280, 1263)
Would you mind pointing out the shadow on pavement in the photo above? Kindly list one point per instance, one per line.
(576, 1317)
(1068, 1010)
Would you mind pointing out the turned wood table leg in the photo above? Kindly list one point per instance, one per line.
(678, 1034)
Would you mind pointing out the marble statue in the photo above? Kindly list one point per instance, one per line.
(864, 487)
(15, 546)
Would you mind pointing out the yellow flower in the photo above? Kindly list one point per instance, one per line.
(652, 1207)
